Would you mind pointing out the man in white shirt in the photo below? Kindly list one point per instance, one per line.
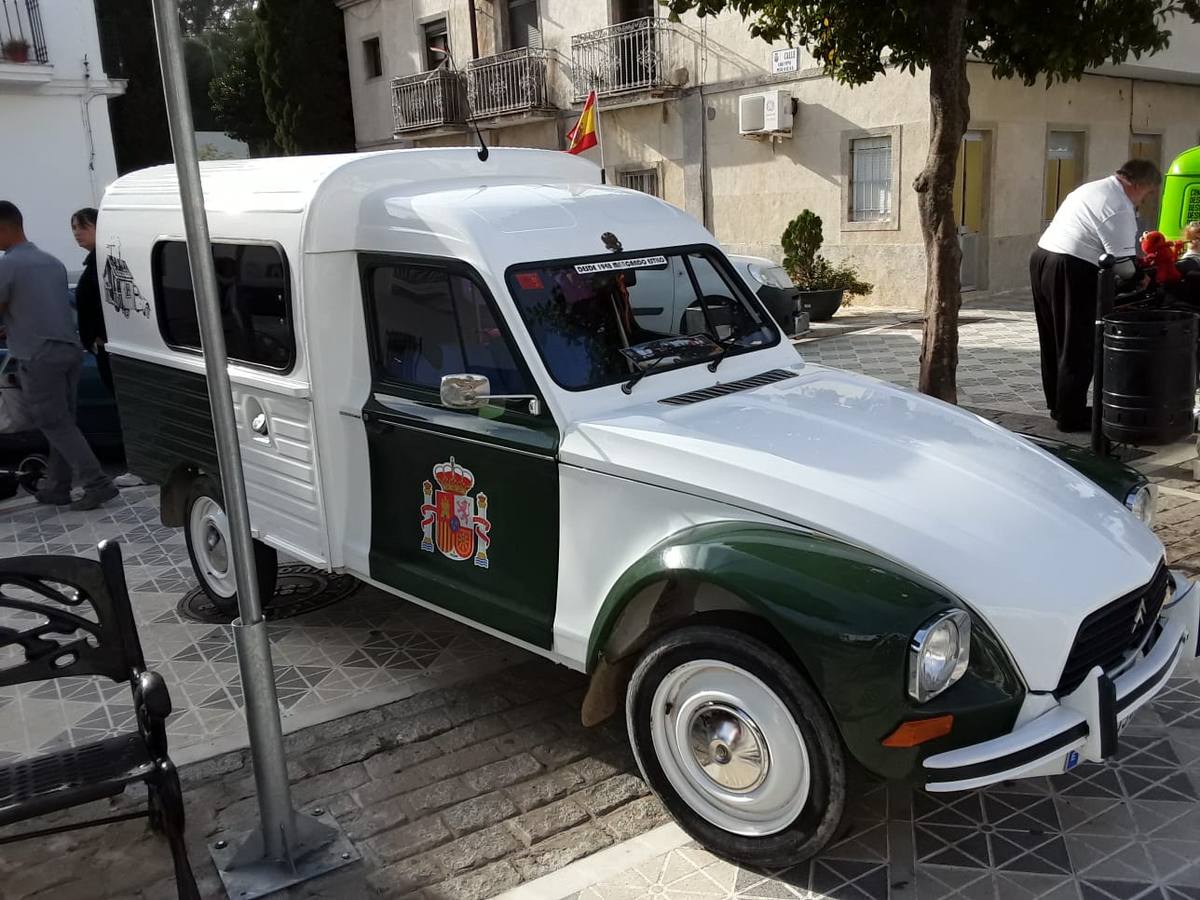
(1096, 218)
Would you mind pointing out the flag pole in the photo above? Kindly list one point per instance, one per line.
(599, 136)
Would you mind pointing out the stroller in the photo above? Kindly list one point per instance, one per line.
(14, 418)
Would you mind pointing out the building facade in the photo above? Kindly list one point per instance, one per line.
(56, 147)
(697, 112)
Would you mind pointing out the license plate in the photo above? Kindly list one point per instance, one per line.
(1071, 761)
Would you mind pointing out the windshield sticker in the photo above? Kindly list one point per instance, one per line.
(460, 521)
(530, 281)
(612, 265)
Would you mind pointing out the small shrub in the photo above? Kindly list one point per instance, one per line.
(810, 270)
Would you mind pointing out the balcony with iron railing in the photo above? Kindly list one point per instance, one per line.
(428, 100)
(511, 83)
(22, 40)
(642, 55)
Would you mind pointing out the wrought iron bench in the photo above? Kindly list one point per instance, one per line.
(47, 632)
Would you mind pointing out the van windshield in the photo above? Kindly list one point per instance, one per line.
(602, 320)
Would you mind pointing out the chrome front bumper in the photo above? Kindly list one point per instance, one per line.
(1083, 725)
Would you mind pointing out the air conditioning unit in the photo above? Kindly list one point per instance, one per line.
(765, 113)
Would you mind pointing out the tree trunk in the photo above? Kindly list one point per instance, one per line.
(949, 114)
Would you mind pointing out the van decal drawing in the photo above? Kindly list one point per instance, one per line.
(452, 520)
(120, 290)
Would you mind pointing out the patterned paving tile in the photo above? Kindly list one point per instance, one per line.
(368, 643)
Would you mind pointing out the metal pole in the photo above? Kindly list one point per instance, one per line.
(270, 858)
(1106, 289)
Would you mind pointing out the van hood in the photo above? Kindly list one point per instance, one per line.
(1027, 542)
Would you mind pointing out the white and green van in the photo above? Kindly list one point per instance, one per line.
(550, 408)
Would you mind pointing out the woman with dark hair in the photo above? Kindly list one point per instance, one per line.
(87, 295)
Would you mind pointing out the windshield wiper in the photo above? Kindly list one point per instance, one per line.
(724, 345)
(641, 373)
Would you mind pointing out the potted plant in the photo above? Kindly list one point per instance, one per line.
(823, 285)
(15, 50)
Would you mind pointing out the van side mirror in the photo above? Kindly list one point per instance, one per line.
(465, 391)
(468, 391)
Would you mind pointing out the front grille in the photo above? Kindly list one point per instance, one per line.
(1109, 633)
(730, 387)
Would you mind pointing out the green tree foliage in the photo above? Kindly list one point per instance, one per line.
(305, 80)
(198, 61)
(236, 92)
(200, 16)
(139, 116)
(1054, 40)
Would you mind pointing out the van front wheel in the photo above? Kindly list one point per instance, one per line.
(207, 533)
(737, 745)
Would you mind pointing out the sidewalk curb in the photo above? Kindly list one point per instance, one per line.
(603, 864)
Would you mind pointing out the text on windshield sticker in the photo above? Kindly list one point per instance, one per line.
(611, 265)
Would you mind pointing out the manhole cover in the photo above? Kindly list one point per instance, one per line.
(300, 589)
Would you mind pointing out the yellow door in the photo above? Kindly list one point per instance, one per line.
(968, 206)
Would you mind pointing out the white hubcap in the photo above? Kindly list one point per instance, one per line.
(210, 543)
(730, 747)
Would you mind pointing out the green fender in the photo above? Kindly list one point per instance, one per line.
(847, 616)
(1113, 476)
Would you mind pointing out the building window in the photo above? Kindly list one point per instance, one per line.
(255, 294)
(437, 44)
(372, 58)
(644, 180)
(870, 179)
(1064, 168)
(522, 23)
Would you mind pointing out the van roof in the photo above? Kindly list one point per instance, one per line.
(288, 184)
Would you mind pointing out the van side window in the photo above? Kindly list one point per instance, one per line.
(430, 322)
(255, 294)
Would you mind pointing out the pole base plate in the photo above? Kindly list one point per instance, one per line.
(322, 846)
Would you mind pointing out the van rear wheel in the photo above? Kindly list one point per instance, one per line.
(737, 745)
(206, 530)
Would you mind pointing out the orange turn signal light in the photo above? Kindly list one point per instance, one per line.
(918, 731)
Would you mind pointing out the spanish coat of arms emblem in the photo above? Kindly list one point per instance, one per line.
(453, 521)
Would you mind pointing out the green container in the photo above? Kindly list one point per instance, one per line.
(1181, 195)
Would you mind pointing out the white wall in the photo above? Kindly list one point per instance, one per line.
(56, 148)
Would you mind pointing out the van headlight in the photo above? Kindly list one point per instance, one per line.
(938, 654)
(1142, 501)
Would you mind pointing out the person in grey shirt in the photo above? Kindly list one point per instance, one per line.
(35, 310)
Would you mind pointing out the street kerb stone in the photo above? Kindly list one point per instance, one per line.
(553, 854)
(549, 820)
(479, 812)
(408, 840)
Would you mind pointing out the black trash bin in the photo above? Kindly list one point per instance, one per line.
(1149, 377)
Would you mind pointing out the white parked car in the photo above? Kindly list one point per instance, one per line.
(551, 408)
(775, 290)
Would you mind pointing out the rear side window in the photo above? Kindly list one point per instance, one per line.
(430, 321)
(256, 301)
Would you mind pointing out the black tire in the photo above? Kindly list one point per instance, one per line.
(266, 560)
(819, 819)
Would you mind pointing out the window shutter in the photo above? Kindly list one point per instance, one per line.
(523, 25)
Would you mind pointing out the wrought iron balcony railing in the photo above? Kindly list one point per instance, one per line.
(427, 100)
(516, 81)
(21, 37)
(633, 56)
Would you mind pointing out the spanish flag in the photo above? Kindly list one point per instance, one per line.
(583, 135)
